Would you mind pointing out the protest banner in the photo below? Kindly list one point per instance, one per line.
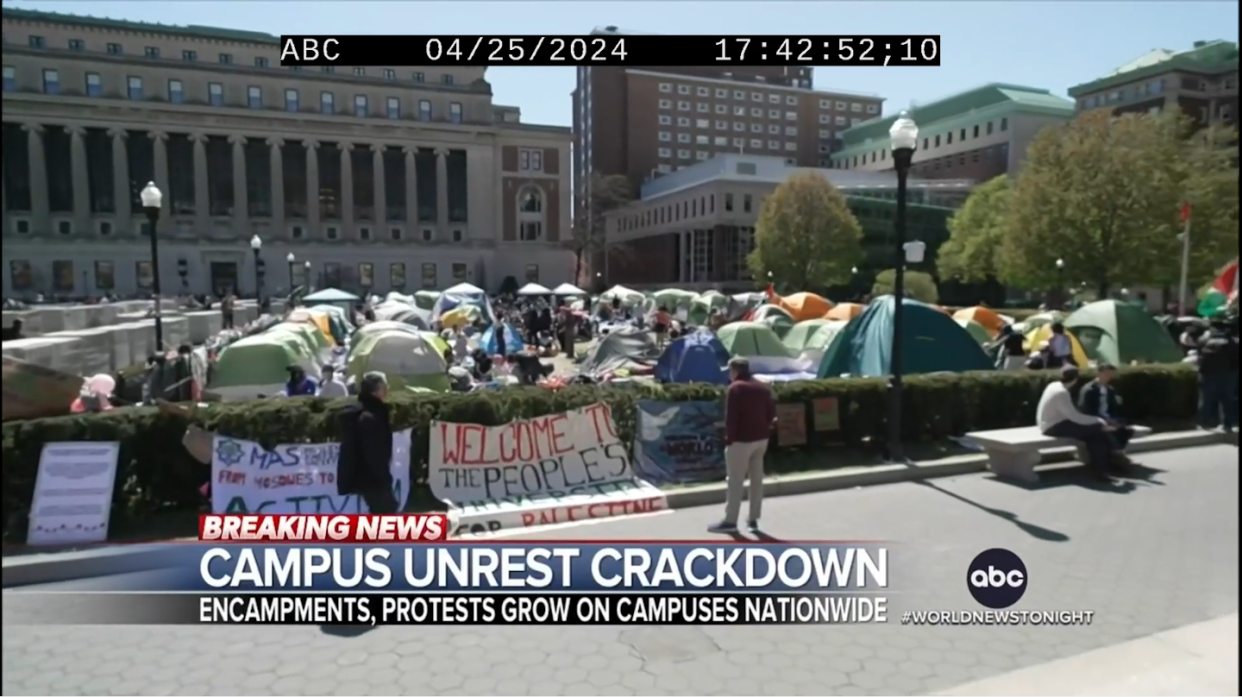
(790, 424)
(679, 441)
(73, 493)
(826, 414)
(298, 478)
(559, 468)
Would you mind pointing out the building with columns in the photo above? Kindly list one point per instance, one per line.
(381, 178)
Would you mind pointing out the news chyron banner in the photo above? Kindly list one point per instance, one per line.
(296, 478)
(549, 470)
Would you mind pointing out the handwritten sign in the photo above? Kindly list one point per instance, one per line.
(73, 493)
(299, 478)
(790, 424)
(825, 414)
(558, 468)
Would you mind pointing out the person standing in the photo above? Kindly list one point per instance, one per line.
(331, 385)
(364, 464)
(1218, 378)
(1060, 348)
(226, 310)
(750, 414)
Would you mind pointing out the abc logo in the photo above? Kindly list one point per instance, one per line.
(996, 578)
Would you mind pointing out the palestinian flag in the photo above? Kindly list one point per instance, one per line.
(1222, 294)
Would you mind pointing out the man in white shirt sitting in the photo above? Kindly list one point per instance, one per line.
(332, 386)
(1059, 418)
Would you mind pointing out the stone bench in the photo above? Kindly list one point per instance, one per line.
(1015, 452)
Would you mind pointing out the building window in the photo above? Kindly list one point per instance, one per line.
(330, 232)
(873, 109)
(328, 69)
(94, 85)
(446, 79)
(728, 202)
(364, 234)
(419, 77)
(260, 61)
(936, 140)
(665, 152)
(10, 79)
(455, 112)
(424, 110)
(948, 138)
(77, 45)
(665, 120)
(360, 71)
(37, 42)
(215, 93)
(665, 136)
(975, 132)
(291, 99)
(226, 59)
(840, 120)
(683, 137)
(530, 214)
(327, 103)
(51, 81)
(152, 52)
(361, 109)
(428, 235)
(530, 160)
(393, 106)
(458, 235)
(666, 87)
(683, 89)
(1004, 125)
(114, 49)
(176, 92)
(989, 128)
(189, 56)
(683, 106)
(390, 74)
(665, 104)
(395, 234)
(254, 97)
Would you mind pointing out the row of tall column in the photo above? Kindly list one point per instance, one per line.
(41, 213)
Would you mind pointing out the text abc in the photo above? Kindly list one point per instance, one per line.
(993, 577)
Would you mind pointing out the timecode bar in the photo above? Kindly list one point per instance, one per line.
(629, 50)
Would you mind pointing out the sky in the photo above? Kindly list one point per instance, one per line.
(1050, 44)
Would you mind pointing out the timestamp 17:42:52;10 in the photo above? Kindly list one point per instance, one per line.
(830, 50)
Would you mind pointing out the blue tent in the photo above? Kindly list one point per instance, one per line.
(513, 341)
(698, 357)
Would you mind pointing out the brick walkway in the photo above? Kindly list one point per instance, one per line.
(1159, 556)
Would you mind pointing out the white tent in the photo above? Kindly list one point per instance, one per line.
(568, 289)
(534, 289)
(465, 289)
(625, 295)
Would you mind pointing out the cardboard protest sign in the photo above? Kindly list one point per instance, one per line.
(552, 469)
(298, 478)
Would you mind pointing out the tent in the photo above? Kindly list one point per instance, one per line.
(400, 312)
(1035, 338)
(933, 343)
(802, 306)
(460, 316)
(976, 330)
(465, 289)
(534, 289)
(489, 342)
(331, 295)
(626, 295)
(1121, 333)
(308, 335)
(260, 364)
(426, 299)
(320, 321)
(673, 298)
(757, 342)
(406, 358)
(810, 339)
(986, 317)
(778, 320)
(702, 306)
(696, 357)
(568, 289)
(381, 326)
(623, 349)
(1041, 319)
(845, 312)
(765, 311)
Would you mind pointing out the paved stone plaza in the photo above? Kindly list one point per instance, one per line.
(1153, 555)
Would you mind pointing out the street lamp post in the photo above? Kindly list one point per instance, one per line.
(306, 278)
(905, 137)
(151, 200)
(1060, 283)
(291, 259)
(256, 246)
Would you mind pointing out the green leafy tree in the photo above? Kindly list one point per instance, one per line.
(918, 285)
(607, 193)
(1103, 194)
(976, 233)
(806, 236)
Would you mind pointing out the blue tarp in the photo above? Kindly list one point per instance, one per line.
(513, 341)
(698, 357)
(679, 442)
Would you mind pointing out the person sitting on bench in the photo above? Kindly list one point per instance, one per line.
(1100, 398)
(1059, 418)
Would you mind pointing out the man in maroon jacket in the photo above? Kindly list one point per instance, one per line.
(750, 414)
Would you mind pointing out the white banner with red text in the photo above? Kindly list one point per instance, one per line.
(549, 470)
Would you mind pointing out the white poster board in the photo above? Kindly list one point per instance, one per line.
(297, 478)
(554, 469)
(73, 493)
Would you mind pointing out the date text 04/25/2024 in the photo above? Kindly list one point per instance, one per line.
(631, 50)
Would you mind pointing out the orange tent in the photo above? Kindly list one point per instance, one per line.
(845, 311)
(801, 306)
(985, 317)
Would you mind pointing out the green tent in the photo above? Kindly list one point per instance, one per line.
(975, 329)
(933, 343)
(752, 339)
(673, 298)
(776, 318)
(407, 358)
(1039, 320)
(812, 335)
(262, 360)
(701, 307)
(426, 299)
(1122, 333)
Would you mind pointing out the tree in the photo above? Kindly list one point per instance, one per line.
(806, 237)
(976, 233)
(918, 285)
(1103, 194)
(606, 193)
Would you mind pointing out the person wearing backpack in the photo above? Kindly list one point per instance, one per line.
(363, 466)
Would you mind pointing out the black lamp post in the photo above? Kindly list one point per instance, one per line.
(291, 259)
(256, 246)
(1060, 297)
(151, 200)
(905, 137)
(306, 277)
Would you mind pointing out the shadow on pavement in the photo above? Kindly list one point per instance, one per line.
(1037, 531)
(1123, 482)
(345, 631)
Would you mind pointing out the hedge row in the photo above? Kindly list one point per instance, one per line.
(156, 474)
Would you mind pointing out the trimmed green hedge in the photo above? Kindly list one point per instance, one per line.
(156, 474)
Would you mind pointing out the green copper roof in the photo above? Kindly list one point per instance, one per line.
(1016, 98)
(190, 30)
(1210, 57)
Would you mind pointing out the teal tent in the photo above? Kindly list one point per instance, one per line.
(932, 342)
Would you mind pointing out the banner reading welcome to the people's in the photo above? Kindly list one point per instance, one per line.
(554, 469)
(297, 478)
